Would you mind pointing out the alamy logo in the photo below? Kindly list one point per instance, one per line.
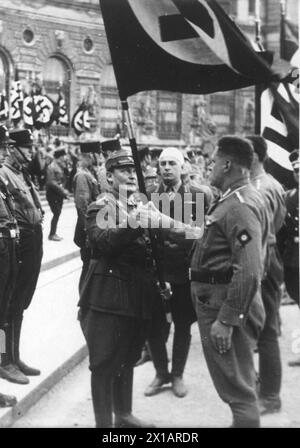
(186, 210)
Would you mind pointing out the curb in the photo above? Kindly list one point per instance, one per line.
(14, 413)
(59, 260)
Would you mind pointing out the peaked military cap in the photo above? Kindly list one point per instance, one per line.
(111, 145)
(22, 137)
(118, 159)
(60, 152)
(4, 135)
(88, 147)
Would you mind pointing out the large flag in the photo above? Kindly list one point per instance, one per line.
(43, 111)
(188, 46)
(60, 114)
(16, 100)
(28, 112)
(280, 110)
(4, 110)
(81, 119)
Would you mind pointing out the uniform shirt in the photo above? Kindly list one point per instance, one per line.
(273, 194)
(7, 210)
(56, 179)
(119, 280)
(175, 247)
(27, 206)
(232, 240)
(289, 233)
(86, 190)
(104, 185)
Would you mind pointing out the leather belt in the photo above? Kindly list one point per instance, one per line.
(28, 226)
(211, 277)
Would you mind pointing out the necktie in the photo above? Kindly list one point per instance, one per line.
(171, 192)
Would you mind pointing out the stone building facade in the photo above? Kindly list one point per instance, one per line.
(61, 44)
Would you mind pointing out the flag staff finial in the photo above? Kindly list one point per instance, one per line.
(283, 7)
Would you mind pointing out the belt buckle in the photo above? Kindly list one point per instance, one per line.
(13, 233)
(212, 280)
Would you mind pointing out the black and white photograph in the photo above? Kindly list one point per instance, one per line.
(149, 217)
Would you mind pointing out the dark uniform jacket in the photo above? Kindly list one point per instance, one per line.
(55, 181)
(120, 277)
(289, 234)
(7, 209)
(28, 209)
(273, 193)
(175, 248)
(232, 242)
(86, 190)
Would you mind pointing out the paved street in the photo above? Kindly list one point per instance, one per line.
(52, 336)
(69, 404)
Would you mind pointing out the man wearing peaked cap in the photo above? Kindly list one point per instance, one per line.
(22, 137)
(55, 189)
(90, 147)
(59, 153)
(107, 147)
(110, 146)
(116, 295)
(8, 262)
(29, 216)
(86, 188)
(118, 159)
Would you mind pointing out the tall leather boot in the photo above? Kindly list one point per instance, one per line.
(122, 397)
(30, 371)
(101, 385)
(181, 347)
(9, 370)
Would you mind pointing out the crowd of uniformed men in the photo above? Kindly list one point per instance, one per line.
(228, 274)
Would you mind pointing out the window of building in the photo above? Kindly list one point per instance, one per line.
(4, 75)
(251, 7)
(57, 80)
(169, 107)
(220, 110)
(88, 45)
(28, 36)
(110, 103)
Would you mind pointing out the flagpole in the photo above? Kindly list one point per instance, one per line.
(282, 27)
(164, 292)
(258, 88)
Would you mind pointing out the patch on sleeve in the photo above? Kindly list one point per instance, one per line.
(244, 237)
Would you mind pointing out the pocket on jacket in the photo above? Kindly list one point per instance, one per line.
(109, 289)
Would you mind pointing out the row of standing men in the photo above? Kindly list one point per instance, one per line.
(21, 237)
(233, 286)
